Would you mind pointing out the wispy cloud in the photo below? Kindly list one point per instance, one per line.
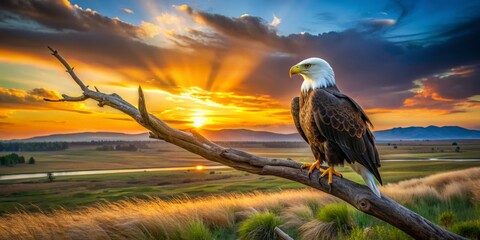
(169, 19)
(276, 21)
(378, 24)
(127, 11)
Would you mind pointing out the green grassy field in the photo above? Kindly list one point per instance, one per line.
(161, 154)
(87, 158)
(450, 200)
(71, 192)
(75, 191)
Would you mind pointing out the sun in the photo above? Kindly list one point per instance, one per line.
(199, 167)
(198, 121)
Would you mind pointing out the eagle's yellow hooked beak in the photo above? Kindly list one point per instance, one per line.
(295, 70)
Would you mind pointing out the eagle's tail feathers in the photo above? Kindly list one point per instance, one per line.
(367, 177)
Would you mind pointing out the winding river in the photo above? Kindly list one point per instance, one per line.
(90, 172)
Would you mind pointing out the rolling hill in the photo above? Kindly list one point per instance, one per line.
(407, 133)
(87, 137)
(239, 135)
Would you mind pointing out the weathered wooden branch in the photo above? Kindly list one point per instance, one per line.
(359, 196)
(281, 234)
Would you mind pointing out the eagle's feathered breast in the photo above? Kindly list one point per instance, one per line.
(307, 119)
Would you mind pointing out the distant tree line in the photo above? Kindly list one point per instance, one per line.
(13, 158)
(32, 146)
(119, 147)
(96, 143)
(252, 144)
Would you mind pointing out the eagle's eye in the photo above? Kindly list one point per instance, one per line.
(308, 65)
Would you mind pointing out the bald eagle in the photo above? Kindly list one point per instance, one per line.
(333, 124)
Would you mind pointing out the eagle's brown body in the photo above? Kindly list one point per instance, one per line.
(336, 128)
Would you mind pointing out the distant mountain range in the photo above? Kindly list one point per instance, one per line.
(430, 133)
(245, 135)
(407, 133)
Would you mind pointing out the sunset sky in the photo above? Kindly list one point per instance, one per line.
(224, 64)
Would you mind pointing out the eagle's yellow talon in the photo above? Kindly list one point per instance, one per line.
(330, 172)
(312, 166)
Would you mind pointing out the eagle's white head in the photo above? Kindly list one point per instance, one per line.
(316, 73)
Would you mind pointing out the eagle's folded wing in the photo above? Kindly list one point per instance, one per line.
(295, 108)
(343, 123)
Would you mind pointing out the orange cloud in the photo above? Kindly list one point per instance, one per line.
(372, 111)
(191, 107)
(149, 29)
(426, 97)
(15, 99)
(429, 91)
(390, 118)
(218, 109)
(169, 19)
(18, 57)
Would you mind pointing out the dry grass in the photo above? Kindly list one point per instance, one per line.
(158, 219)
(297, 216)
(318, 230)
(442, 185)
(147, 218)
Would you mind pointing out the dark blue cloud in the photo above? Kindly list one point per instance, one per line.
(377, 71)
(59, 15)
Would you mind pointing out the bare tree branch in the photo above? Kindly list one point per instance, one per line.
(67, 98)
(359, 196)
(281, 234)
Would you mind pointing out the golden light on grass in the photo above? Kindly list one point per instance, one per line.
(161, 219)
(199, 167)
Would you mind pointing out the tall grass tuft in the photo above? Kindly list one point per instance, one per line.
(363, 220)
(469, 229)
(338, 214)
(315, 229)
(446, 218)
(260, 226)
(314, 205)
(331, 222)
(432, 207)
(377, 233)
(296, 216)
(195, 230)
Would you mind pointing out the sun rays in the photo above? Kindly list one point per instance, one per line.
(199, 121)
